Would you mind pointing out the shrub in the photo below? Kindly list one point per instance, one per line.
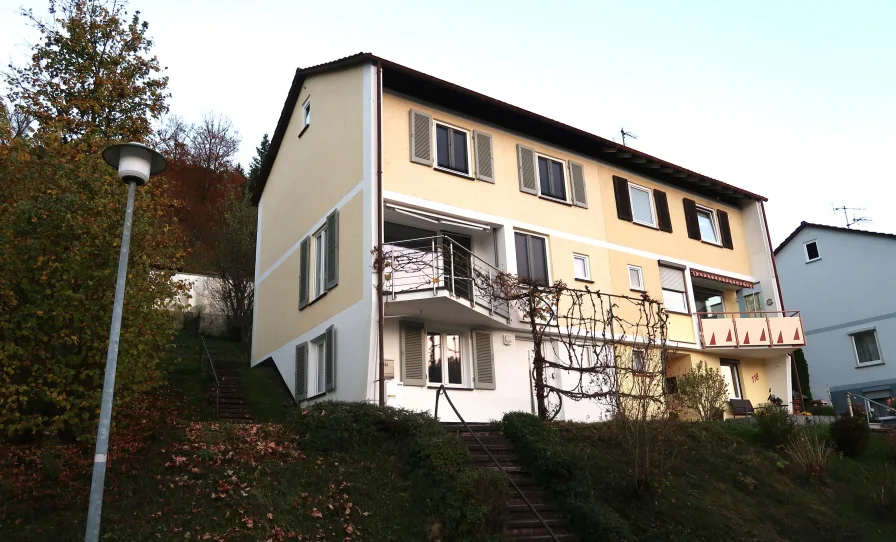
(888, 436)
(822, 411)
(809, 453)
(851, 435)
(775, 425)
(704, 391)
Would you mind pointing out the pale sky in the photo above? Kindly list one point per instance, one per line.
(793, 100)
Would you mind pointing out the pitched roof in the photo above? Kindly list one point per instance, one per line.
(437, 91)
(805, 224)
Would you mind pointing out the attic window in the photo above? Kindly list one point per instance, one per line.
(811, 251)
(306, 113)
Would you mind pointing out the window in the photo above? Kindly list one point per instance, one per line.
(674, 291)
(581, 267)
(709, 302)
(639, 360)
(531, 258)
(452, 149)
(866, 346)
(753, 304)
(317, 367)
(642, 208)
(732, 379)
(443, 358)
(635, 278)
(551, 181)
(811, 251)
(707, 221)
(319, 262)
(306, 113)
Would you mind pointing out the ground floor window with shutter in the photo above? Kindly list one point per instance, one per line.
(444, 360)
(317, 366)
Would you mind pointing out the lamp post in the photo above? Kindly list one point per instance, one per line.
(135, 164)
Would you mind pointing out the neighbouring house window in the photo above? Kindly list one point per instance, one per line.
(531, 258)
(581, 266)
(639, 360)
(732, 379)
(866, 346)
(319, 263)
(635, 278)
(306, 113)
(452, 149)
(443, 358)
(675, 297)
(812, 251)
(642, 208)
(707, 221)
(551, 180)
(709, 302)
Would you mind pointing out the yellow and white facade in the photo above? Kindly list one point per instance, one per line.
(458, 183)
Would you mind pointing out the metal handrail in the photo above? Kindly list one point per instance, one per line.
(519, 491)
(849, 395)
(215, 374)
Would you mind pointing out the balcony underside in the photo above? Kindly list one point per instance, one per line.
(442, 308)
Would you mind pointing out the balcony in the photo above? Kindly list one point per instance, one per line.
(441, 279)
(751, 330)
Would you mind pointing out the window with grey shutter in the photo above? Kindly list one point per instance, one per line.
(330, 364)
(483, 361)
(332, 278)
(303, 273)
(485, 162)
(413, 372)
(301, 390)
(528, 180)
(577, 178)
(421, 138)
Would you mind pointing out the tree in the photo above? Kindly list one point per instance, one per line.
(91, 74)
(704, 391)
(171, 139)
(213, 143)
(802, 372)
(255, 166)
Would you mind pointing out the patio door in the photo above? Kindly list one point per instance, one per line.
(458, 264)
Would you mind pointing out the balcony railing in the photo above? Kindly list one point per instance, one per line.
(440, 264)
(751, 329)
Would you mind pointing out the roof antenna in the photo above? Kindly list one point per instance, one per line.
(854, 220)
(625, 135)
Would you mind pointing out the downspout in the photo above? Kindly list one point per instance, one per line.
(379, 231)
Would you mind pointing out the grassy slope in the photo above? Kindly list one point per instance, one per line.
(721, 486)
(173, 476)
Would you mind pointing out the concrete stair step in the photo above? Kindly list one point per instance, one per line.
(566, 537)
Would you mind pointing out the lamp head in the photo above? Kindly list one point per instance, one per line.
(135, 162)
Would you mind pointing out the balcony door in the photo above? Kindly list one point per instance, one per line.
(458, 264)
(709, 302)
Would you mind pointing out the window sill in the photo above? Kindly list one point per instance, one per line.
(460, 174)
(678, 312)
(555, 200)
(642, 374)
(813, 261)
(586, 281)
(639, 290)
(316, 396)
(646, 225)
(870, 364)
(719, 245)
(305, 129)
(315, 300)
(452, 388)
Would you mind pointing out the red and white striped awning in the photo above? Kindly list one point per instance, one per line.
(721, 278)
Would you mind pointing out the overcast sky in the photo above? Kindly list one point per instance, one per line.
(791, 100)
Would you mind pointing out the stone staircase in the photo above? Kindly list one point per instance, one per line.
(233, 407)
(522, 524)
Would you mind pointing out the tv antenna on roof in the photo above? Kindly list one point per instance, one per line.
(854, 220)
(626, 134)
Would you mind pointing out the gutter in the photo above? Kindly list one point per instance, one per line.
(379, 231)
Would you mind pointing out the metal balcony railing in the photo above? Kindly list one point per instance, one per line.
(440, 264)
(874, 411)
(751, 328)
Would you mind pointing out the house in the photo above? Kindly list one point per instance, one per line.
(370, 153)
(840, 277)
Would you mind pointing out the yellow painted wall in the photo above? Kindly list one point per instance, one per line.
(313, 172)
(729, 301)
(278, 317)
(753, 373)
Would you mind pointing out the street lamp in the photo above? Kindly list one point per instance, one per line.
(135, 164)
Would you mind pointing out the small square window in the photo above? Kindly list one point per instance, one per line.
(551, 179)
(866, 347)
(635, 278)
(706, 219)
(642, 208)
(581, 266)
(639, 360)
(812, 251)
(452, 149)
(319, 262)
(306, 113)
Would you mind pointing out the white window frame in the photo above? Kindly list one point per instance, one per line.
(306, 113)
(435, 149)
(565, 177)
(465, 358)
(715, 225)
(735, 379)
(682, 293)
(643, 355)
(855, 350)
(639, 288)
(806, 251)
(317, 367)
(584, 258)
(649, 191)
(318, 263)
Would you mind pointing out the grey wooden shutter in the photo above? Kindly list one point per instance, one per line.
(526, 160)
(690, 218)
(330, 362)
(485, 160)
(623, 199)
(413, 370)
(301, 371)
(577, 178)
(421, 138)
(725, 229)
(663, 219)
(332, 278)
(303, 273)
(483, 361)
